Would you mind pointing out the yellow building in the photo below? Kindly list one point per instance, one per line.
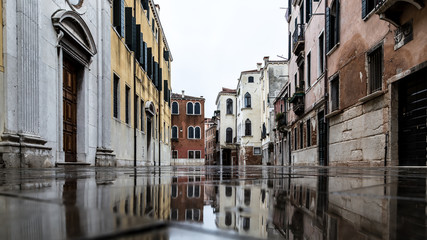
(140, 85)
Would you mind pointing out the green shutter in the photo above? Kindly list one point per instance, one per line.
(138, 46)
(144, 56)
(160, 78)
(149, 63)
(165, 92)
(364, 6)
(119, 16)
(328, 29)
(337, 23)
(130, 29)
(144, 4)
(156, 74)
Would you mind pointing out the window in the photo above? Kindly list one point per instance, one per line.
(174, 132)
(189, 214)
(375, 62)
(174, 190)
(174, 214)
(127, 105)
(228, 218)
(229, 106)
(332, 25)
(191, 154)
(190, 132)
(309, 69)
(116, 96)
(228, 135)
(367, 7)
(246, 223)
(257, 151)
(142, 115)
(248, 127)
(247, 197)
(197, 108)
(228, 191)
(295, 139)
(335, 93)
(136, 118)
(308, 133)
(175, 108)
(197, 132)
(174, 154)
(251, 79)
(247, 100)
(301, 135)
(321, 54)
(197, 154)
(189, 108)
(119, 16)
(308, 10)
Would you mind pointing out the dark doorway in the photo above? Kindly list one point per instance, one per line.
(148, 132)
(413, 120)
(322, 138)
(70, 110)
(226, 157)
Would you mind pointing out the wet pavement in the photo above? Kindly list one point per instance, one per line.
(213, 203)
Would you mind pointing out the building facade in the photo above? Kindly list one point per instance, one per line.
(248, 119)
(55, 83)
(377, 87)
(210, 141)
(188, 130)
(140, 85)
(274, 76)
(226, 126)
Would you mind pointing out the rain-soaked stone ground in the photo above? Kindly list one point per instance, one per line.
(213, 203)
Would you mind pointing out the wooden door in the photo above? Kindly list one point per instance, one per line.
(69, 111)
(322, 138)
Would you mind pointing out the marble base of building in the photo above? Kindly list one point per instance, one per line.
(24, 151)
(105, 158)
(187, 162)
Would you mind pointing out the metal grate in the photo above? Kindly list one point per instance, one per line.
(375, 69)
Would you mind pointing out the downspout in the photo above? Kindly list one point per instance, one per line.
(159, 99)
(100, 115)
(134, 97)
(326, 95)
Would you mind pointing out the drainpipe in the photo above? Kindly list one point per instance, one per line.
(326, 95)
(134, 97)
(159, 37)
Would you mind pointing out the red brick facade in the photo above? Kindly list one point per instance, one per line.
(184, 144)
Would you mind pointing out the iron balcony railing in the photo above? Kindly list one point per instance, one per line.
(298, 36)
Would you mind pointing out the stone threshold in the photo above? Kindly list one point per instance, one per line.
(58, 164)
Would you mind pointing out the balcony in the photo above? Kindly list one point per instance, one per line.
(298, 40)
(297, 100)
(282, 122)
(391, 10)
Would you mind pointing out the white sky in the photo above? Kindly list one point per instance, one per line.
(213, 41)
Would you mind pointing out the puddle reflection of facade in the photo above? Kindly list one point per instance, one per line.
(187, 198)
(243, 209)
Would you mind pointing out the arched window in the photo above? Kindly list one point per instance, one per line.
(174, 132)
(227, 218)
(228, 135)
(247, 100)
(197, 108)
(248, 127)
(197, 133)
(190, 133)
(190, 108)
(229, 106)
(251, 79)
(175, 108)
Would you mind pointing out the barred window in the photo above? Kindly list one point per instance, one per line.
(375, 61)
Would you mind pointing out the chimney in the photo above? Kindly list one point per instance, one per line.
(157, 8)
(266, 59)
(183, 94)
(258, 66)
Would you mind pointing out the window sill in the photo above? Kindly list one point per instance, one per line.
(368, 15)
(334, 113)
(333, 49)
(229, 114)
(246, 108)
(371, 96)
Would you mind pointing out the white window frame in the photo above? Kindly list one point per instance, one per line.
(172, 108)
(259, 151)
(194, 110)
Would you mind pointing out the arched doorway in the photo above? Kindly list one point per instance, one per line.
(151, 111)
(76, 48)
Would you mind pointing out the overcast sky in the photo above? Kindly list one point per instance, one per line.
(213, 41)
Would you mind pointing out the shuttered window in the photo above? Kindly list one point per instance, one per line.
(301, 135)
(142, 115)
(127, 105)
(308, 10)
(228, 135)
(175, 108)
(308, 133)
(116, 91)
(139, 44)
(119, 16)
(309, 69)
(335, 88)
(144, 4)
(375, 61)
(321, 54)
(248, 127)
(136, 113)
(130, 29)
(367, 7)
(332, 25)
(197, 108)
(149, 58)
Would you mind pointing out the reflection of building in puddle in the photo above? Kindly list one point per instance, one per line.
(243, 209)
(187, 198)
